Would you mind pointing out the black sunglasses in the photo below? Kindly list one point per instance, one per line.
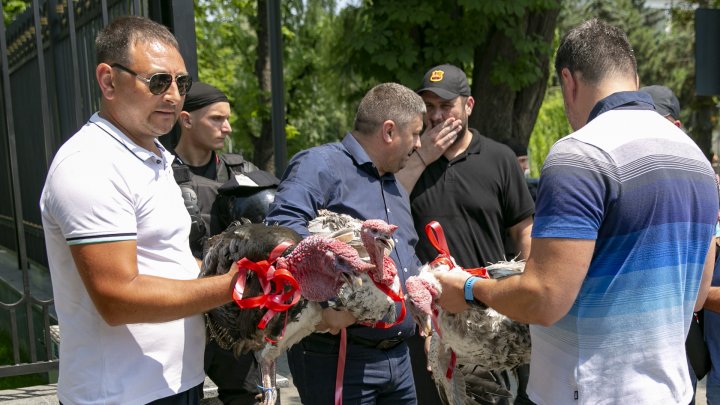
(160, 82)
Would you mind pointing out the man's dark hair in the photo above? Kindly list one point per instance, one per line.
(112, 45)
(597, 50)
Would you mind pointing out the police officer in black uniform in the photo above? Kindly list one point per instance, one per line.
(218, 189)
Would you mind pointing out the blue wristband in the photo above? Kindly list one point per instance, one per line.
(469, 297)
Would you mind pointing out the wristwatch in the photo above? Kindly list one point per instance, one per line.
(469, 297)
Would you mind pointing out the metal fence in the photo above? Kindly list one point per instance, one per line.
(48, 91)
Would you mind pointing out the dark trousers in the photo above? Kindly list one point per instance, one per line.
(372, 376)
(237, 379)
(189, 397)
(427, 393)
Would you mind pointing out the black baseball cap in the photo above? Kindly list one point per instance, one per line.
(665, 101)
(447, 81)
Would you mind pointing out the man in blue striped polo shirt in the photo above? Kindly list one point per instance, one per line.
(622, 243)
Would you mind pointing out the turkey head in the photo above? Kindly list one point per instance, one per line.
(376, 236)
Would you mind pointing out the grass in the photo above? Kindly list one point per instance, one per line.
(19, 381)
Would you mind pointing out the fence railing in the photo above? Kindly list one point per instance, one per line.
(48, 91)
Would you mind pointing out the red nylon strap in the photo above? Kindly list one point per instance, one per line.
(435, 233)
(436, 236)
(286, 291)
(479, 272)
(340, 374)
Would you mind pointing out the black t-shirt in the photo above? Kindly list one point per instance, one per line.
(208, 170)
(476, 197)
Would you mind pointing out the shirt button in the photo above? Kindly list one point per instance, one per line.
(158, 161)
(399, 333)
(405, 269)
(388, 210)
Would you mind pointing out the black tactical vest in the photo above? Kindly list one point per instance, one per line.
(200, 194)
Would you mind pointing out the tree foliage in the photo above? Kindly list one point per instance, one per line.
(12, 8)
(663, 41)
(331, 59)
(503, 46)
(663, 44)
(228, 58)
(551, 125)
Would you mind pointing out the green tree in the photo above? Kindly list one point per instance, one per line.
(12, 8)
(504, 45)
(233, 54)
(662, 41)
(551, 125)
(331, 59)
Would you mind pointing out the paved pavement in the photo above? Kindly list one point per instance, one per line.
(288, 395)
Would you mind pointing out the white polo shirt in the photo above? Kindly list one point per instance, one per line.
(102, 187)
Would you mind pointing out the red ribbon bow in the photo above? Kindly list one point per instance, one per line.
(280, 289)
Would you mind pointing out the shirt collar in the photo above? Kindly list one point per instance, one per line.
(360, 156)
(355, 150)
(622, 100)
(142, 153)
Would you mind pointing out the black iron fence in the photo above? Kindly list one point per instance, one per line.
(48, 92)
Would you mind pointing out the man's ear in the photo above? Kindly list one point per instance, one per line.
(185, 119)
(469, 104)
(387, 130)
(104, 76)
(569, 85)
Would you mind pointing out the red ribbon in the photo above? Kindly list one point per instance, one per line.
(435, 234)
(280, 289)
(340, 373)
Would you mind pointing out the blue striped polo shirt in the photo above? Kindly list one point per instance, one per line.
(642, 189)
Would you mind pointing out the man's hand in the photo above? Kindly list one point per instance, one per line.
(452, 298)
(435, 141)
(334, 320)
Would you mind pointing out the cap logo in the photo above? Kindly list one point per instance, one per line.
(436, 75)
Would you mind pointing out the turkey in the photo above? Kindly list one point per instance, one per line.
(479, 336)
(324, 268)
(373, 241)
(370, 296)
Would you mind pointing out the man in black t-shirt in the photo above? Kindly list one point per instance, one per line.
(474, 188)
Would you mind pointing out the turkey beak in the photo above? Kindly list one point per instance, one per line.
(387, 244)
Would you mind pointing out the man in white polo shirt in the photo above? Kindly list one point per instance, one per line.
(116, 231)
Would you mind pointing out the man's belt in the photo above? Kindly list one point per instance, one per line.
(384, 344)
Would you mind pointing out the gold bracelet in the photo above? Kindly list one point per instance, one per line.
(421, 159)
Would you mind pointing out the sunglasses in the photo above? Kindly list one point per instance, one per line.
(160, 82)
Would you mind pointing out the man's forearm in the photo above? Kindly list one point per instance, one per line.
(410, 174)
